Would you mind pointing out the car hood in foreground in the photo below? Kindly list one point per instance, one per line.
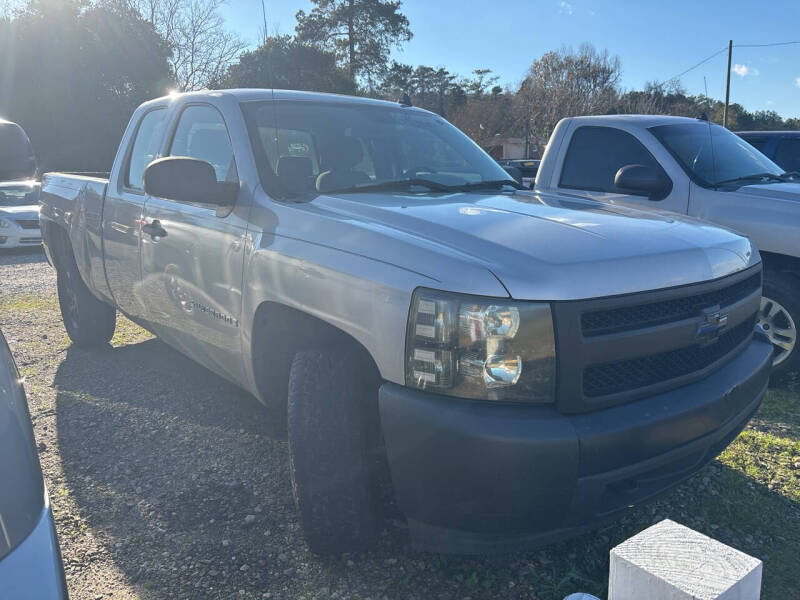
(20, 212)
(538, 246)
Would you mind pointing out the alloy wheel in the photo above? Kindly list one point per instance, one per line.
(779, 326)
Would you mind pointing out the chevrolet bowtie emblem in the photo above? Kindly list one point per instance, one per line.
(712, 321)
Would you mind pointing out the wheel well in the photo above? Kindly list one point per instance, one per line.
(781, 262)
(58, 243)
(280, 331)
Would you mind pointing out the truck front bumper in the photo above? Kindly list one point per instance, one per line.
(482, 477)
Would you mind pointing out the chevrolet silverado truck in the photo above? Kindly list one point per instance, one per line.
(521, 366)
(694, 168)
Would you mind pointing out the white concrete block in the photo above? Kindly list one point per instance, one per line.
(669, 561)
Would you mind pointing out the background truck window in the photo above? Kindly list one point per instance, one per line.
(145, 147)
(787, 154)
(595, 155)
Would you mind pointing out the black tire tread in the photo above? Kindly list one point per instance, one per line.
(331, 478)
(95, 321)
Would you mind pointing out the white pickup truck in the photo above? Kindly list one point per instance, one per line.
(694, 168)
(525, 365)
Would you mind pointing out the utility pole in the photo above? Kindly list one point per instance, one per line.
(527, 138)
(727, 86)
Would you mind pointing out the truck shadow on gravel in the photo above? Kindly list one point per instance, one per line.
(170, 469)
(26, 255)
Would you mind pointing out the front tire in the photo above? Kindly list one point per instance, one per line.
(331, 477)
(779, 316)
(88, 321)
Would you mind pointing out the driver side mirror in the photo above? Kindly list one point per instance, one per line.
(189, 180)
(642, 180)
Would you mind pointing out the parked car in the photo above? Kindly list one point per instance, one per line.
(19, 193)
(527, 170)
(525, 365)
(691, 167)
(782, 147)
(30, 561)
(19, 214)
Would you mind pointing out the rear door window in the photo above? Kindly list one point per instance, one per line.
(595, 154)
(787, 154)
(145, 147)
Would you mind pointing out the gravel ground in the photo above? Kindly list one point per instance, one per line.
(164, 484)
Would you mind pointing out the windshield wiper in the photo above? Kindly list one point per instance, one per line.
(399, 185)
(489, 185)
(771, 176)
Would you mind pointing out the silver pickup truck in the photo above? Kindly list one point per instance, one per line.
(695, 168)
(523, 366)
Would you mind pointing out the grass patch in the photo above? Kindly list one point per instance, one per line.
(127, 332)
(27, 302)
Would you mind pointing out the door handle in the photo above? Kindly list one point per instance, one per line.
(154, 230)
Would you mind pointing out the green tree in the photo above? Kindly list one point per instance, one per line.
(283, 62)
(71, 74)
(360, 32)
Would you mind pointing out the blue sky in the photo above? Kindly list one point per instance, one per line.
(654, 40)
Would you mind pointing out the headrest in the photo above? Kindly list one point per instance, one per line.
(294, 172)
(343, 153)
(211, 143)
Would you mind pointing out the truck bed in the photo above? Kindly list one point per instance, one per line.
(74, 203)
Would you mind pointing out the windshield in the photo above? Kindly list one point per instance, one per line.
(728, 159)
(17, 160)
(313, 147)
(22, 196)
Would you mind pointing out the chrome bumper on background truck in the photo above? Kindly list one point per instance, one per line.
(478, 477)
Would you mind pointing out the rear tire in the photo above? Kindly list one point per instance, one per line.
(88, 321)
(780, 318)
(333, 487)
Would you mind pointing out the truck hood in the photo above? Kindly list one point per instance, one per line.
(544, 247)
(20, 212)
(778, 191)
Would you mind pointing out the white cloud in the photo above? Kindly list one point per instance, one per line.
(770, 103)
(744, 70)
(565, 7)
(797, 81)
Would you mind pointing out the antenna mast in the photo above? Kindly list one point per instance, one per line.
(264, 15)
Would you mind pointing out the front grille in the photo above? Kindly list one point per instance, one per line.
(627, 318)
(626, 375)
(28, 223)
(622, 348)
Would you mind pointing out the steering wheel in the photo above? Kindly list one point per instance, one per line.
(412, 172)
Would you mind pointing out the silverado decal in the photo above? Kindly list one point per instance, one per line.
(215, 313)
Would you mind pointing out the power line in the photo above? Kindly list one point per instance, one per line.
(693, 67)
(765, 45)
(721, 50)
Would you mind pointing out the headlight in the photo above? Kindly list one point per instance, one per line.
(478, 347)
(4, 224)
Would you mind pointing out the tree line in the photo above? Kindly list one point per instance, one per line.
(72, 71)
